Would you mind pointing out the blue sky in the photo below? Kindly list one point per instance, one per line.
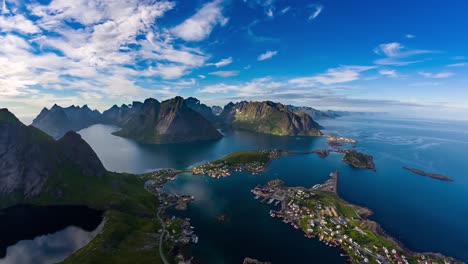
(405, 57)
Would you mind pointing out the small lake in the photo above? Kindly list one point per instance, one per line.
(45, 234)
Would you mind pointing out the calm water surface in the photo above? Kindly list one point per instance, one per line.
(45, 234)
(425, 214)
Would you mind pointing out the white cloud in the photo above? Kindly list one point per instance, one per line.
(247, 67)
(255, 87)
(89, 61)
(316, 10)
(269, 12)
(440, 75)
(201, 76)
(5, 9)
(460, 64)
(221, 63)
(285, 10)
(199, 26)
(225, 73)
(396, 54)
(333, 76)
(410, 36)
(18, 23)
(390, 73)
(267, 55)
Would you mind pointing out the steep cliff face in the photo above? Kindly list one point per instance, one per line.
(118, 115)
(270, 118)
(58, 120)
(202, 109)
(29, 157)
(171, 121)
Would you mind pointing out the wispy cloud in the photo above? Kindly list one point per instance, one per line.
(285, 10)
(387, 72)
(95, 59)
(460, 64)
(396, 54)
(316, 10)
(18, 23)
(199, 26)
(333, 76)
(410, 36)
(267, 55)
(221, 63)
(225, 73)
(440, 75)
(258, 38)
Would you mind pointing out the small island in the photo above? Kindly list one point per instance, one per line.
(431, 175)
(358, 160)
(223, 218)
(322, 152)
(253, 161)
(320, 212)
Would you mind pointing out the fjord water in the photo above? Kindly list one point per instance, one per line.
(424, 213)
(45, 234)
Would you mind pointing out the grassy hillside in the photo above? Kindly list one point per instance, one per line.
(243, 157)
(130, 226)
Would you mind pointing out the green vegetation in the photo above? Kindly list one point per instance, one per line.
(131, 226)
(244, 157)
(359, 160)
(271, 118)
(5, 115)
(125, 238)
(325, 215)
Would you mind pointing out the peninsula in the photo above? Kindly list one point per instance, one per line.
(253, 161)
(431, 175)
(321, 213)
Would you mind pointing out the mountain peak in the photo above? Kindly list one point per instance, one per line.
(7, 116)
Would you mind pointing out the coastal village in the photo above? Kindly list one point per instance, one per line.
(255, 161)
(176, 234)
(320, 213)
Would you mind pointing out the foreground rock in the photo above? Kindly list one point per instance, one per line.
(269, 118)
(171, 121)
(30, 157)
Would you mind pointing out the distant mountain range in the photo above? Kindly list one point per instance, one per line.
(30, 157)
(58, 120)
(178, 120)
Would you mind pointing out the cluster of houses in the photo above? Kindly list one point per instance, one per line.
(224, 169)
(303, 208)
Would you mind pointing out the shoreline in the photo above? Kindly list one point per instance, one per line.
(320, 212)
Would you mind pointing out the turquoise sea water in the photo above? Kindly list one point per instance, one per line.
(424, 213)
